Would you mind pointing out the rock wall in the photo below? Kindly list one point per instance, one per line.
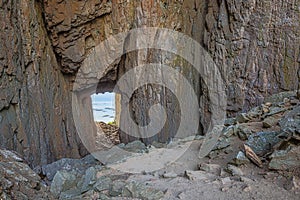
(43, 44)
(35, 110)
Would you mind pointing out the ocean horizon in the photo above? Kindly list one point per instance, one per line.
(103, 107)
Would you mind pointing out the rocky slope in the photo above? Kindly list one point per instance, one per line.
(43, 43)
(269, 168)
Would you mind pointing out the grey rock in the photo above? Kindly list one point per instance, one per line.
(228, 131)
(117, 188)
(135, 147)
(62, 182)
(211, 168)
(235, 171)
(240, 159)
(262, 142)
(269, 122)
(89, 179)
(230, 121)
(114, 155)
(137, 190)
(68, 164)
(70, 194)
(242, 118)
(288, 159)
(274, 111)
(103, 183)
(199, 175)
(242, 131)
(291, 123)
(277, 98)
(222, 144)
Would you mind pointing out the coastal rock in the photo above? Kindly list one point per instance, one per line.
(240, 159)
(62, 181)
(288, 159)
(262, 142)
(68, 164)
(18, 180)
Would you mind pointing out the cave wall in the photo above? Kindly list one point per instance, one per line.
(43, 43)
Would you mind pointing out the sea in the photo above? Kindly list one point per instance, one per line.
(104, 107)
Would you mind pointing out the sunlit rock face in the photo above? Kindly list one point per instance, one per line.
(255, 45)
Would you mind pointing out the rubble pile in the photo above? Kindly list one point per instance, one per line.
(270, 133)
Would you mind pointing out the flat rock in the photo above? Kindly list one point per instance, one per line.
(285, 159)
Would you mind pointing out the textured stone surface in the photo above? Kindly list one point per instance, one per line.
(18, 181)
(43, 43)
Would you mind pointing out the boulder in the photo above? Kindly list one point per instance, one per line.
(242, 118)
(240, 159)
(68, 164)
(18, 180)
(62, 182)
(288, 159)
(291, 123)
(270, 122)
(262, 142)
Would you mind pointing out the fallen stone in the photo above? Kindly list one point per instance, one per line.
(242, 118)
(114, 155)
(103, 183)
(62, 182)
(221, 144)
(291, 123)
(235, 171)
(228, 131)
(198, 175)
(240, 159)
(230, 121)
(274, 111)
(137, 190)
(243, 132)
(269, 122)
(135, 147)
(67, 164)
(262, 142)
(18, 180)
(117, 188)
(211, 168)
(89, 179)
(288, 159)
(277, 98)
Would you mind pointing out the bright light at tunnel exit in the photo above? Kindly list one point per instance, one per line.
(104, 107)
